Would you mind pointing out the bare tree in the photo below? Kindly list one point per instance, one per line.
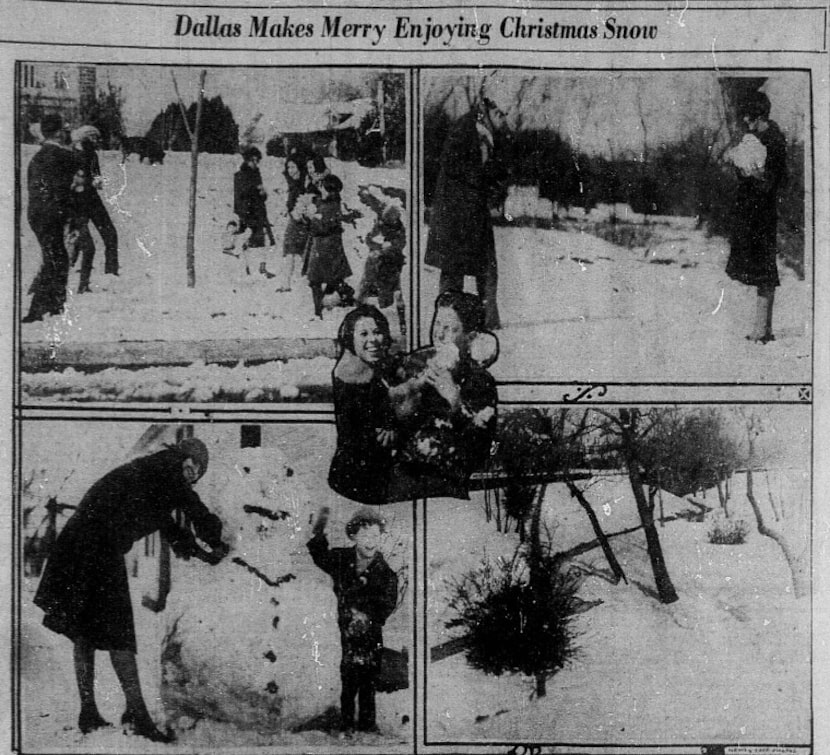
(797, 561)
(628, 427)
(193, 133)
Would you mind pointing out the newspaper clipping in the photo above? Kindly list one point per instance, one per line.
(424, 378)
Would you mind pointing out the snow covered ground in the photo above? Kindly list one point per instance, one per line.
(729, 662)
(574, 306)
(150, 301)
(577, 307)
(231, 661)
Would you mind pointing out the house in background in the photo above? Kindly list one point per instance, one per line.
(331, 129)
(45, 88)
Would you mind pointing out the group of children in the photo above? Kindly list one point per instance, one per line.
(314, 231)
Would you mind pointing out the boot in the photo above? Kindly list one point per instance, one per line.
(769, 301)
(264, 271)
(90, 720)
(759, 325)
(143, 726)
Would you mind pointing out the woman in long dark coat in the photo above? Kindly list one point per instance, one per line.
(460, 240)
(753, 238)
(84, 591)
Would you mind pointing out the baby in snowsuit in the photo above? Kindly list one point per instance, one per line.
(367, 594)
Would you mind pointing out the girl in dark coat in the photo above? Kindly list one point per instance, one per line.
(249, 204)
(365, 421)
(296, 232)
(326, 264)
(753, 239)
(367, 594)
(84, 591)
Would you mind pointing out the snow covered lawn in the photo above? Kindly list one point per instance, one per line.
(727, 663)
(577, 307)
(232, 661)
(150, 301)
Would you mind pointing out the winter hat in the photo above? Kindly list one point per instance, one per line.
(85, 133)
(365, 517)
(250, 152)
(195, 449)
(51, 124)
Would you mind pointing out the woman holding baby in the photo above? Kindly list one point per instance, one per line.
(429, 420)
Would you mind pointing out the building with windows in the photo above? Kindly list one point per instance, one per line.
(54, 88)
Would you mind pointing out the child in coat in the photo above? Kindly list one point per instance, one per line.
(382, 274)
(326, 265)
(77, 238)
(249, 197)
(367, 594)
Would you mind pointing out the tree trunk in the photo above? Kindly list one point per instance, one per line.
(797, 564)
(538, 579)
(617, 570)
(776, 512)
(194, 170)
(722, 498)
(662, 580)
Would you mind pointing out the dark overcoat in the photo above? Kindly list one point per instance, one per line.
(753, 245)
(248, 202)
(326, 260)
(460, 239)
(374, 593)
(84, 591)
(360, 466)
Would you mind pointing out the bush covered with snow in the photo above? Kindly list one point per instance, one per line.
(725, 530)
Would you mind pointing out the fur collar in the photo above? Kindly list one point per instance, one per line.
(352, 370)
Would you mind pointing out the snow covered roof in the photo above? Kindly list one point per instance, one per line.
(306, 118)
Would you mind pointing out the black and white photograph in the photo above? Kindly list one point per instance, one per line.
(197, 235)
(627, 226)
(630, 576)
(198, 586)
(414, 379)
(419, 424)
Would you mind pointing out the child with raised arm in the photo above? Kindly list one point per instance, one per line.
(367, 594)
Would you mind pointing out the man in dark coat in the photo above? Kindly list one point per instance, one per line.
(50, 174)
(84, 591)
(86, 140)
(460, 240)
(367, 594)
(753, 239)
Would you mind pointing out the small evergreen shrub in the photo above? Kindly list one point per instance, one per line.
(724, 530)
(513, 625)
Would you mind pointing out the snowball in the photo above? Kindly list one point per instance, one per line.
(749, 156)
